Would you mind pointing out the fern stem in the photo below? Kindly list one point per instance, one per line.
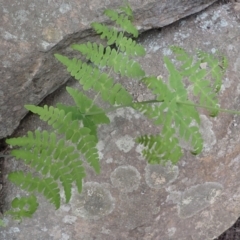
(157, 101)
(211, 108)
(122, 106)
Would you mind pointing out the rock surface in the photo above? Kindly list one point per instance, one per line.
(32, 31)
(196, 199)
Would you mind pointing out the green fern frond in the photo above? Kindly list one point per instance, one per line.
(47, 186)
(171, 112)
(118, 61)
(217, 68)
(90, 77)
(77, 115)
(87, 146)
(127, 45)
(160, 149)
(81, 137)
(122, 20)
(203, 88)
(54, 158)
(53, 116)
(86, 107)
(85, 111)
(23, 207)
(127, 10)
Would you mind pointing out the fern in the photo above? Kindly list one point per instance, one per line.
(23, 207)
(126, 45)
(59, 157)
(90, 77)
(174, 113)
(48, 187)
(81, 137)
(83, 110)
(203, 88)
(101, 56)
(123, 19)
(49, 157)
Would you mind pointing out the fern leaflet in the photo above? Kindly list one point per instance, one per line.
(23, 207)
(90, 77)
(47, 186)
(81, 137)
(202, 87)
(101, 56)
(127, 45)
(160, 149)
(176, 118)
(122, 20)
(84, 111)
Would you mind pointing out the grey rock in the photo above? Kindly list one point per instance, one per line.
(32, 31)
(197, 199)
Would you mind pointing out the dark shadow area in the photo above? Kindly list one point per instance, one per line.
(233, 233)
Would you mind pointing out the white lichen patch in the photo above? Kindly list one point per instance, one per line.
(14, 230)
(126, 178)
(127, 113)
(100, 147)
(209, 138)
(94, 202)
(65, 236)
(197, 198)
(69, 219)
(158, 176)
(64, 8)
(171, 231)
(179, 36)
(139, 150)
(125, 143)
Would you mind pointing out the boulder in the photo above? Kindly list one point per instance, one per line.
(32, 31)
(197, 199)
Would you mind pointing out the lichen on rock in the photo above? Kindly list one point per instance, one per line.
(94, 202)
(126, 178)
(158, 176)
(198, 198)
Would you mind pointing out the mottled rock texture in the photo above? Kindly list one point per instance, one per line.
(31, 31)
(197, 199)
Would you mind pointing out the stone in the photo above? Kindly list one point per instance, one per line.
(32, 31)
(196, 199)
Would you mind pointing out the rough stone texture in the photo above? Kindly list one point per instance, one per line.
(31, 31)
(195, 200)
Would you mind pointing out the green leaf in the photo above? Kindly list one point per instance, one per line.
(23, 207)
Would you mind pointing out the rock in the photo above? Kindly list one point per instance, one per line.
(32, 31)
(196, 199)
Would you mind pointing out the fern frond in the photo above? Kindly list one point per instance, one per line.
(171, 113)
(127, 45)
(53, 116)
(217, 68)
(87, 108)
(85, 111)
(53, 158)
(81, 137)
(23, 207)
(87, 146)
(90, 77)
(47, 186)
(202, 86)
(127, 10)
(122, 20)
(77, 115)
(119, 62)
(160, 149)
